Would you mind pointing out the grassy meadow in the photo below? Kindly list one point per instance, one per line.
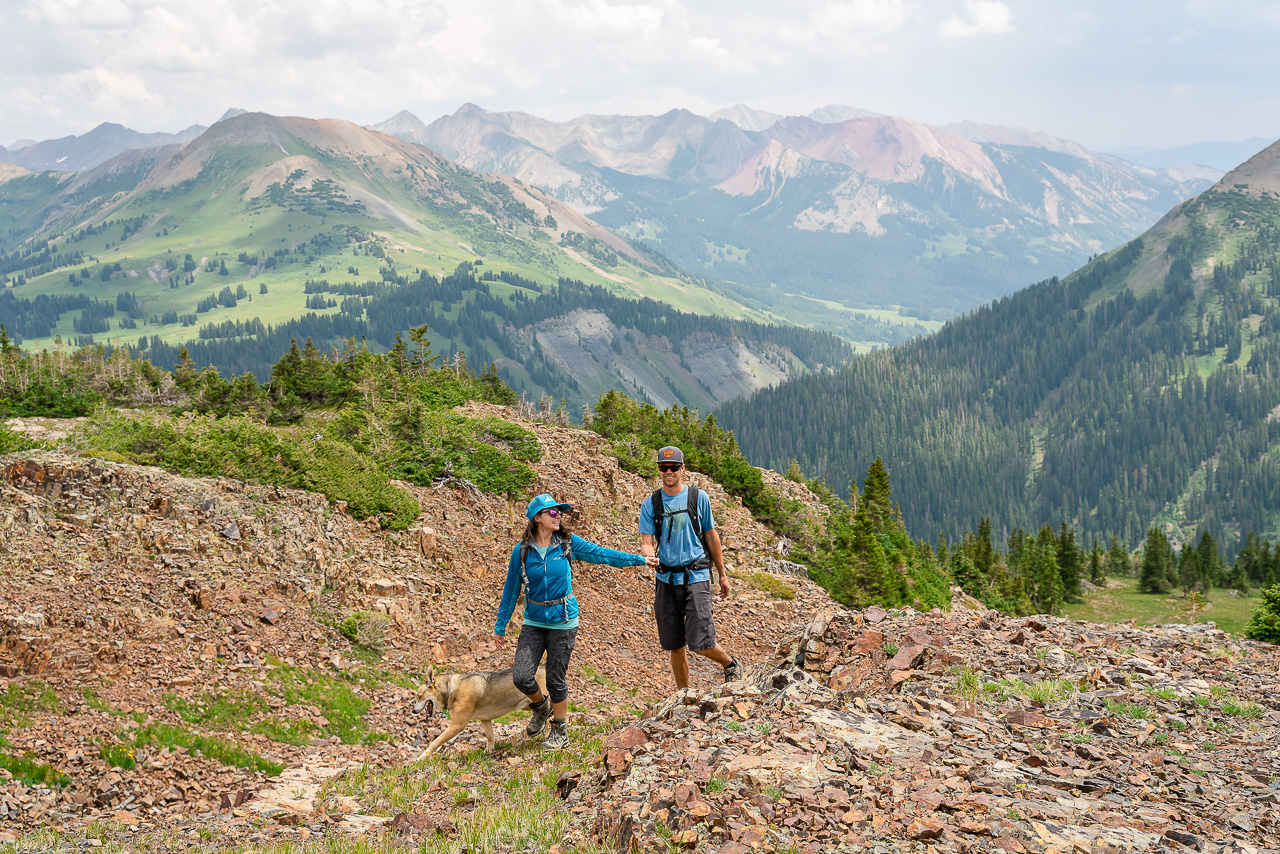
(1121, 601)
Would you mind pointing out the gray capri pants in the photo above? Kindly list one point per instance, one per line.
(558, 645)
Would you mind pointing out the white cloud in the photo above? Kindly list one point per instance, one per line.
(1087, 70)
(981, 17)
(872, 16)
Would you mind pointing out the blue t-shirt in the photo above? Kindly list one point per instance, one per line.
(681, 546)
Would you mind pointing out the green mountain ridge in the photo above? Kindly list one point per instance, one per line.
(267, 228)
(1139, 391)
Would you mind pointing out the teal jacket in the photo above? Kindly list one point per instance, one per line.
(552, 579)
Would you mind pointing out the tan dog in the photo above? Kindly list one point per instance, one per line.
(473, 696)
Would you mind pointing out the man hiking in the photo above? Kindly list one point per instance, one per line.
(676, 525)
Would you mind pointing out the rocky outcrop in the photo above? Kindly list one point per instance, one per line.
(877, 731)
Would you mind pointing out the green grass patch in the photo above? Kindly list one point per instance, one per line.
(93, 701)
(29, 772)
(23, 699)
(367, 631)
(1046, 691)
(120, 755)
(12, 442)
(495, 806)
(337, 699)
(217, 749)
(968, 683)
(1134, 711)
(297, 732)
(225, 711)
(1252, 711)
(1121, 601)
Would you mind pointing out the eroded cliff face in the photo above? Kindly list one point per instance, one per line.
(701, 369)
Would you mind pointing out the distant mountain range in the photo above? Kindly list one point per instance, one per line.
(1140, 391)
(809, 218)
(265, 228)
(843, 205)
(1216, 155)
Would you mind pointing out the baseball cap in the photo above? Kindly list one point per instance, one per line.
(670, 454)
(542, 502)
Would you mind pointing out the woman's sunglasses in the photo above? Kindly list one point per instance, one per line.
(553, 512)
(669, 467)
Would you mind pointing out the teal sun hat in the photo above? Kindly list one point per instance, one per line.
(542, 502)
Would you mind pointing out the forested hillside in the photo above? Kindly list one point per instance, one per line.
(1140, 391)
(491, 318)
(266, 229)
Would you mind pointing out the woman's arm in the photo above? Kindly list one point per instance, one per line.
(593, 553)
(510, 593)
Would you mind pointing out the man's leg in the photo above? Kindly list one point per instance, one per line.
(668, 611)
(700, 629)
(716, 654)
(680, 667)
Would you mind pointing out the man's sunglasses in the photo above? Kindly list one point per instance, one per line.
(553, 512)
(669, 466)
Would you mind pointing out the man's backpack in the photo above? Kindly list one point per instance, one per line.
(691, 508)
(565, 547)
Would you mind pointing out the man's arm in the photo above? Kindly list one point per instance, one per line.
(717, 557)
(648, 545)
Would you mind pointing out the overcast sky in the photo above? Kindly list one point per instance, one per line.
(1107, 73)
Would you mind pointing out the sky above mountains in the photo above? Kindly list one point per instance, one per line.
(1105, 73)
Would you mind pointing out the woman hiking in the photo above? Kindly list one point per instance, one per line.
(541, 564)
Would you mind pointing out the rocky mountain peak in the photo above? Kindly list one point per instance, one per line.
(1258, 175)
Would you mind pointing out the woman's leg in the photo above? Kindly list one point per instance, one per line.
(559, 645)
(529, 649)
(559, 649)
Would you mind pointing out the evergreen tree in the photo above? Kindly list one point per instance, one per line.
(1070, 565)
(1044, 573)
(1153, 576)
(1118, 562)
(1097, 573)
(876, 495)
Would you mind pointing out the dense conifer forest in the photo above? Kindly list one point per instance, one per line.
(464, 314)
(1098, 400)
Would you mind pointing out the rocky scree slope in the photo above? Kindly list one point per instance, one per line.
(969, 731)
(135, 603)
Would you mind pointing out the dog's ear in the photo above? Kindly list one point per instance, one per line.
(431, 674)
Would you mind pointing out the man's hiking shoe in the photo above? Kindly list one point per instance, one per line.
(538, 721)
(732, 671)
(558, 739)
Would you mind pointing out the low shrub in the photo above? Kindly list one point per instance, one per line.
(239, 448)
(367, 630)
(775, 587)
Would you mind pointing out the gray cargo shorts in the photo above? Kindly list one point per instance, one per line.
(684, 615)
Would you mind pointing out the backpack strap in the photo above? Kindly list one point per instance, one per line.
(655, 501)
(691, 508)
(695, 518)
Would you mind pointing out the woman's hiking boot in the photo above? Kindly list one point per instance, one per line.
(732, 671)
(538, 720)
(558, 738)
